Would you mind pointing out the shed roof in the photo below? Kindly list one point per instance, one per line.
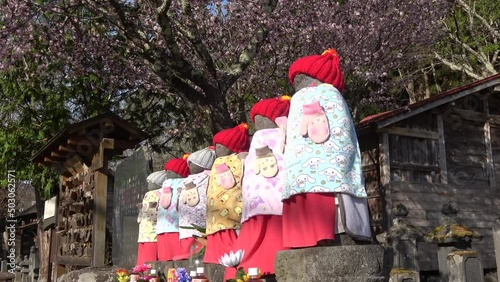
(389, 117)
(107, 125)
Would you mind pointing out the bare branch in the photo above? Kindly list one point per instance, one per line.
(247, 56)
(193, 35)
(462, 67)
(490, 28)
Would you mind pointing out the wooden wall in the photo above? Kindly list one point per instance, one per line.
(478, 211)
(449, 153)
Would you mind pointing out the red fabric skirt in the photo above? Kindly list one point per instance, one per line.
(147, 252)
(169, 246)
(261, 237)
(308, 218)
(218, 244)
(186, 244)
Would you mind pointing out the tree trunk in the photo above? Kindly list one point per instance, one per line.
(219, 113)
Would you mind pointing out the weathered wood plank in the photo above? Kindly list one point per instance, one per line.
(441, 150)
(70, 260)
(489, 155)
(385, 174)
(99, 230)
(441, 188)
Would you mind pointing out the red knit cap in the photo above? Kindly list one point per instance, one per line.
(179, 166)
(236, 139)
(324, 67)
(271, 108)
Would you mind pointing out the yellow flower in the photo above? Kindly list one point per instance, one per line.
(245, 278)
(123, 278)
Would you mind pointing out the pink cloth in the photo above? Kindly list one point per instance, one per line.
(147, 252)
(261, 237)
(169, 246)
(262, 195)
(308, 218)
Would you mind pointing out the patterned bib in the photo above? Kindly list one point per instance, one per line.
(224, 200)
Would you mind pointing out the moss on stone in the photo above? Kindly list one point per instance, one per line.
(447, 232)
(402, 271)
(462, 253)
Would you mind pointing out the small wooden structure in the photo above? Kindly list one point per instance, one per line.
(80, 154)
(443, 148)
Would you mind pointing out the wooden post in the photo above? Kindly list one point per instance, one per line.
(442, 151)
(100, 199)
(487, 142)
(99, 235)
(385, 174)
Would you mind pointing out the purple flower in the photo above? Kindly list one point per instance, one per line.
(182, 275)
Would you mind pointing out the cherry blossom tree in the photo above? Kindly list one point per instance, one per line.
(208, 59)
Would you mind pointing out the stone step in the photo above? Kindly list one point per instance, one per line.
(360, 263)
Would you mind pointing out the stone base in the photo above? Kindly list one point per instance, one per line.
(214, 272)
(360, 263)
(90, 274)
(404, 275)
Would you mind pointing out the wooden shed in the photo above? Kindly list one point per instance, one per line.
(445, 148)
(83, 209)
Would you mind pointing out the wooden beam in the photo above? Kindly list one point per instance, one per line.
(67, 260)
(438, 102)
(118, 144)
(107, 143)
(54, 159)
(99, 228)
(489, 151)
(385, 174)
(417, 133)
(407, 166)
(443, 175)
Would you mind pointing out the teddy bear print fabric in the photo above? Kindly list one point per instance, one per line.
(263, 179)
(147, 224)
(224, 200)
(319, 159)
(193, 204)
(168, 216)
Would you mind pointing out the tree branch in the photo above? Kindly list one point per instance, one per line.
(193, 36)
(462, 67)
(491, 29)
(246, 57)
(178, 64)
(481, 57)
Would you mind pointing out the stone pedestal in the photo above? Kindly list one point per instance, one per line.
(214, 272)
(361, 263)
(403, 275)
(465, 266)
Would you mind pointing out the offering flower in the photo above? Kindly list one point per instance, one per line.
(182, 275)
(141, 268)
(122, 275)
(233, 259)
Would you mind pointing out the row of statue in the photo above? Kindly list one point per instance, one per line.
(296, 183)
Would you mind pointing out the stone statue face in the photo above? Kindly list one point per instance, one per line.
(171, 174)
(262, 122)
(194, 168)
(221, 150)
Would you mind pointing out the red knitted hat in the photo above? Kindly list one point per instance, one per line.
(236, 139)
(324, 67)
(179, 166)
(271, 108)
